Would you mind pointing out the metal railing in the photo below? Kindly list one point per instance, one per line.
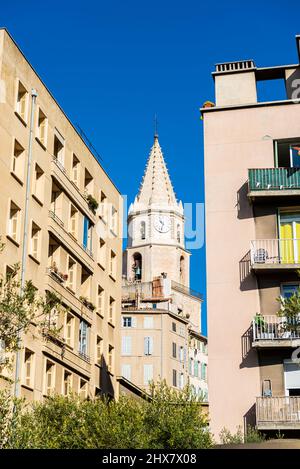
(275, 251)
(275, 328)
(183, 289)
(84, 356)
(263, 179)
(59, 165)
(55, 218)
(278, 410)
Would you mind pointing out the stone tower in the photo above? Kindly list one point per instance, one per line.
(156, 227)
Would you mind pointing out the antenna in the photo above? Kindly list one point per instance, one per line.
(155, 126)
(88, 142)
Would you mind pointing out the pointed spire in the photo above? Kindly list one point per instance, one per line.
(156, 188)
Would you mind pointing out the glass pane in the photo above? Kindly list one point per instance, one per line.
(295, 155)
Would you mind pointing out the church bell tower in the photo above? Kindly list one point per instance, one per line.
(156, 227)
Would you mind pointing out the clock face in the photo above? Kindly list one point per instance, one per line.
(162, 223)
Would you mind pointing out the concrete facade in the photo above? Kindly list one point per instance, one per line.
(65, 253)
(240, 134)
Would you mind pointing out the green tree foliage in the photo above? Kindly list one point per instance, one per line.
(290, 310)
(170, 420)
(20, 309)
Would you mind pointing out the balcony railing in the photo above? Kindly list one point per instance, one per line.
(275, 251)
(276, 412)
(183, 289)
(56, 218)
(275, 328)
(274, 179)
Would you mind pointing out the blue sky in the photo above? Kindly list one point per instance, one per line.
(113, 64)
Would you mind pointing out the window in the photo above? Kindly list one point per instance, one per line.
(127, 321)
(99, 350)
(174, 348)
(287, 154)
(22, 102)
(103, 205)
(14, 222)
(18, 162)
(126, 371)
(73, 222)
(181, 354)
(288, 290)
(203, 371)
(87, 234)
(42, 128)
(83, 338)
(143, 230)
(28, 379)
(196, 368)
(110, 358)
(148, 345)
(181, 381)
(126, 345)
(67, 383)
(148, 322)
(112, 265)
(148, 374)
(59, 147)
(114, 220)
(75, 174)
(71, 275)
(50, 378)
(191, 366)
(111, 316)
(100, 301)
(69, 329)
(175, 378)
(182, 269)
(102, 253)
(182, 331)
(83, 387)
(137, 266)
(38, 183)
(35, 241)
(88, 183)
(174, 326)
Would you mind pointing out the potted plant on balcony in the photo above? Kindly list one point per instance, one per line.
(92, 203)
(290, 313)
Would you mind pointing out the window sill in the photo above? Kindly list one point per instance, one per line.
(113, 233)
(103, 219)
(112, 277)
(37, 200)
(34, 259)
(98, 365)
(21, 118)
(14, 175)
(111, 324)
(100, 315)
(41, 143)
(16, 243)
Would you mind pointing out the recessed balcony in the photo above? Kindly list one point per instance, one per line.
(273, 182)
(275, 254)
(276, 413)
(275, 331)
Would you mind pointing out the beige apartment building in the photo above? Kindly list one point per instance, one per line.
(252, 185)
(74, 247)
(158, 307)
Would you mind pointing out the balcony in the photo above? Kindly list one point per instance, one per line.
(276, 413)
(275, 254)
(273, 182)
(274, 331)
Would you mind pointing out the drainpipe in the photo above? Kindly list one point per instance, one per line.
(25, 235)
